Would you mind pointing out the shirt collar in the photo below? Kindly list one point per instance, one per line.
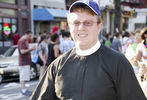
(89, 51)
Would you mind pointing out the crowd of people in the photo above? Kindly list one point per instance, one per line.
(134, 47)
(51, 46)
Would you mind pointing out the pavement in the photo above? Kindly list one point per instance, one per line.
(12, 91)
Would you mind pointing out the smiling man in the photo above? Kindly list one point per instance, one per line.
(90, 71)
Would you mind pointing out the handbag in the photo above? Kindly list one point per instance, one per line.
(35, 56)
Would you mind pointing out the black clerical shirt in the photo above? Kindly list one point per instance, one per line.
(103, 75)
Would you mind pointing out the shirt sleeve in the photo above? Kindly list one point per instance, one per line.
(45, 89)
(128, 87)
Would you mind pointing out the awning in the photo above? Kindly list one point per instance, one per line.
(41, 14)
(58, 12)
(47, 14)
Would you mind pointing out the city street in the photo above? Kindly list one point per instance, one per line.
(11, 91)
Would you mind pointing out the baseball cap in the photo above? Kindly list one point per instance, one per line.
(91, 4)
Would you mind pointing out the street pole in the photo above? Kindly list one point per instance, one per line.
(117, 16)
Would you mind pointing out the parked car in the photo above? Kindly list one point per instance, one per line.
(9, 65)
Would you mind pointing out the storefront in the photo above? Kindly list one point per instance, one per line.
(47, 18)
(14, 18)
(126, 15)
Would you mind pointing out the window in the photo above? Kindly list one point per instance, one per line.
(8, 27)
(139, 25)
(8, 1)
(7, 12)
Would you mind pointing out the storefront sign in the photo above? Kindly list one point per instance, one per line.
(129, 13)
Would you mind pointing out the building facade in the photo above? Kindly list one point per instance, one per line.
(134, 14)
(14, 18)
(47, 14)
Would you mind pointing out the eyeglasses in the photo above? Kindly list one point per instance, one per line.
(85, 23)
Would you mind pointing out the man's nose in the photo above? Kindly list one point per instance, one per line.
(81, 26)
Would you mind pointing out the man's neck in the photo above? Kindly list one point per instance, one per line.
(88, 51)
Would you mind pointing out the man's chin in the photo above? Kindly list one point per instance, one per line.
(82, 46)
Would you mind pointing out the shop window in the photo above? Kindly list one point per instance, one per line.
(14, 21)
(7, 12)
(6, 20)
(8, 27)
(139, 25)
(8, 1)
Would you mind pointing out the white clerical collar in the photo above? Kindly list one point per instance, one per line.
(89, 51)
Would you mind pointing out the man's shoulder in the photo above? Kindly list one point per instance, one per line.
(110, 53)
(61, 60)
(66, 55)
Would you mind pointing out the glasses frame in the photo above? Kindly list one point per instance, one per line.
(84, 23)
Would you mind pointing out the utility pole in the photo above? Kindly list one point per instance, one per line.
(117, 15)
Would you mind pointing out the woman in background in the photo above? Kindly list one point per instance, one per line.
(43, 51)
(141, 60)
(53, 48)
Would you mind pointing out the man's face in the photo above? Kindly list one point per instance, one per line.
(29, 36)
(84, 29)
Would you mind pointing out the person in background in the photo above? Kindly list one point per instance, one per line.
(90, 71)
(67, 42)
(108, 41)
(125, 41)
(36, 38)
(141, 60)
(24, 61)
(43, 51)
(53, 48)
(15, 38)
(116, 45)
(55, 29)
(131, 50)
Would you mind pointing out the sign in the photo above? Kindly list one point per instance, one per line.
(129, 13)
(6, 29)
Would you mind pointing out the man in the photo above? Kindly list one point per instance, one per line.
(90, 71)
(116, 45)
(24, 61)
(67, 42)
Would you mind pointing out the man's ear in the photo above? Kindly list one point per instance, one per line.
(100, 27)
